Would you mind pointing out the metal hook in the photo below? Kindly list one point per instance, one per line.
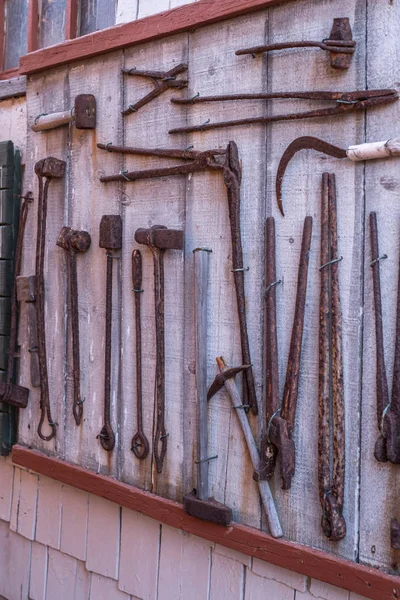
(278, 410)
(197, 462)
(331, 262)
(240, 269)
(271, 285)
(373, 262)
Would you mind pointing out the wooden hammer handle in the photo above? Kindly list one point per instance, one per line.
(43, 122)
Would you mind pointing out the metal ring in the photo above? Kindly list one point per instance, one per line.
(186, 149)
(123, 173)
(137, 291)
(240, 269)
(382, 420)
(373, 262)
(106, 146)
(278, 410)
(38, 117)
(197, 462)
(347, 101)
(271, 285)
(203, 249)
(331, 262)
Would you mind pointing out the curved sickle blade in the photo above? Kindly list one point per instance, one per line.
(302, 143)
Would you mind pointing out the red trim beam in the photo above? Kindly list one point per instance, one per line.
(365, 581)
(177, 20)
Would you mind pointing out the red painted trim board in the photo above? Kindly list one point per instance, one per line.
(177, 20)
(365, 581)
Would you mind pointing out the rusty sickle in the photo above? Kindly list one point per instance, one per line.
(162, 80)
(387, 446)
(331, 469)
(340, 45)
(277, 437)
(160, 239)
(140, 444)
(74, 241)
(111, 240)
(228, 162)
(344, 102)
(225, 378)
(48, 169)
(10, 393)
(355, 153)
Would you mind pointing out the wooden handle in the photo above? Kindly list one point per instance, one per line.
(136, 269)
(374, 150)
(43, 122)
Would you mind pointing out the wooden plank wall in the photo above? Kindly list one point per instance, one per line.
(198, 205)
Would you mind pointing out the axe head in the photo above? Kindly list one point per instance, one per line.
(160, 237)
(85, 111)
(72, 239)
(50, 167)
(111, 232)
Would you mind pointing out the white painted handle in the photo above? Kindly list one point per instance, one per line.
(51, 121)
(263, 486)
(374, 150)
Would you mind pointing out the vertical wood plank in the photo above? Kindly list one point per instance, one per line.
(309, 69)
(33, 25)
(145, 203)
(71, 19)
(379, 481)
(46, 94)
(88, 200)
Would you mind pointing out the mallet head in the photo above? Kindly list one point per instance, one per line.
(160, 237)
(111, 232)
(17, 395)
(85, 111)
(72, 239)
(50, 167)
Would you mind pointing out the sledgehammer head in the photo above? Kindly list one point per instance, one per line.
(17, 395)
(85, 111)
(111, 232)
(50, 167)
(73, 240)
(160, 237)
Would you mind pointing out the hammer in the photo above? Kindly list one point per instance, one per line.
(225, 379)
(82, 115)
(159, 239)
(73, 241)
(111, 240)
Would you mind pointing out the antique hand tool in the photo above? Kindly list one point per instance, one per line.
(339, 44)
(111, 240)
(280, 418)
(140, 443)
(387, 447)
(82, 115)
(345, 102)
(26, 292)
(162, 80)
(11, 393)
(198, 504)
(73, 241)
(225, 378)
(48, 168)
(355, 153)
(228, 162)
(160, 239)
(331, 440)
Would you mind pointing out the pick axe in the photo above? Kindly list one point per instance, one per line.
(225, 378)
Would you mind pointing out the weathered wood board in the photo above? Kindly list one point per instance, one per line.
(198, 205)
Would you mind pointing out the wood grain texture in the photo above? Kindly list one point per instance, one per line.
(71, 19)
(177, 20)
(365, 581)
(33, 25)
(13, 88)
(380, 481)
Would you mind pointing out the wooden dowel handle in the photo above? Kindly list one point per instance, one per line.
(374, 150)
(43, 122)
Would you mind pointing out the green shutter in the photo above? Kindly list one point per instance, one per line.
(10, 188)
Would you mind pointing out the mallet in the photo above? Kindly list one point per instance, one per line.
(82, 115)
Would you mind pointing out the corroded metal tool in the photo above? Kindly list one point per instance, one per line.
(74, 241)
(46, 169)
(10, 393)
(82, 115)
(344, 102)
(140, 443)
(387, 447)
(162, 80)
(355, 153)
(225, 161)
(339, 44)
(225, 378)
(280, 418)
(331, 440)
(160, 239)
(198, 503)
(111, 240)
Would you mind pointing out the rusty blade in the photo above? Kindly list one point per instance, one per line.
(302, 143)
